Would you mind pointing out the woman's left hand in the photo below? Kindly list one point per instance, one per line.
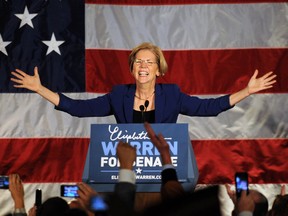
(258, 84)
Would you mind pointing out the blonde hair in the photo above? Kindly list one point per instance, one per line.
(160, 59)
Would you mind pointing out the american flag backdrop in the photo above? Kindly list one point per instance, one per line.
(81, 49)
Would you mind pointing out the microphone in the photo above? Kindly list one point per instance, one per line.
(143, 109)
(146, 104)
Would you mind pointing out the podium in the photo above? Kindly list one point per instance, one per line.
(102, 166)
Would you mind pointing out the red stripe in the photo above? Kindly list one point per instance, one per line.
(264, 160)
(63, 159)
(44, 160)
(196, 71)
(173, 2)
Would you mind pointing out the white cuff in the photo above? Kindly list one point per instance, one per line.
(245, 213)
(20, 210)
(168, 166)
(126, 175)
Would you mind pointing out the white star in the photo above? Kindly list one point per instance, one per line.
(53, 45)
(26, 18)
(3, 44)
(138, 170)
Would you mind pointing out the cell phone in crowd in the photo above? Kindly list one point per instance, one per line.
(69, 191)
(241, 183)
(98, 205)
(4, 182)
(38, 198)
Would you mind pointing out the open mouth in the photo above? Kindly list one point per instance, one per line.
(143, 73)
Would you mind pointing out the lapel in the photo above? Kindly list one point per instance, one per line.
(128, 103)
(159, 103)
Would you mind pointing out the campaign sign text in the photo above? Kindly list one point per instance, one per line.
(103, 164)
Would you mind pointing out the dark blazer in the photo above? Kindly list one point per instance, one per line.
(126, 192)
(169, 103)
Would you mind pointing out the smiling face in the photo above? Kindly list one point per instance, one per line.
(145, 67)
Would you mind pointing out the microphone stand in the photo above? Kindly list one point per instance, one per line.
(141, 107)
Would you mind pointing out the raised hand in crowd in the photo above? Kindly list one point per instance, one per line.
(160, 143)
(231, 193)
(254, 203)
(124, 190)
(123, 200)
(32, 211)
(283, 190)
(245, 203)
(85, 193)
(126, 155)
(17, 193)
(171, 187)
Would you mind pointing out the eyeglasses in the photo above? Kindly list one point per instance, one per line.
(147, 62)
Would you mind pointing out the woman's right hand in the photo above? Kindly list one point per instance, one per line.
(24, 80)
(33, 83)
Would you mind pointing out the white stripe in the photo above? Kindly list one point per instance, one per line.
(53, 189)
(184, 27)
(259, 116)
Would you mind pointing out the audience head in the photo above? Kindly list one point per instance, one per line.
(199, 203)
(261, 203)
(75, 212)
(280, 206)
(54, 206)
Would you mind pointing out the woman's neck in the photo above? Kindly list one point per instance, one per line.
(144, 92)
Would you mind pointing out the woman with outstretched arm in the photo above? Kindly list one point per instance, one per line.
(144, 100)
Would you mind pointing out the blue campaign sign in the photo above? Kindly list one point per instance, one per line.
(102, 166)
